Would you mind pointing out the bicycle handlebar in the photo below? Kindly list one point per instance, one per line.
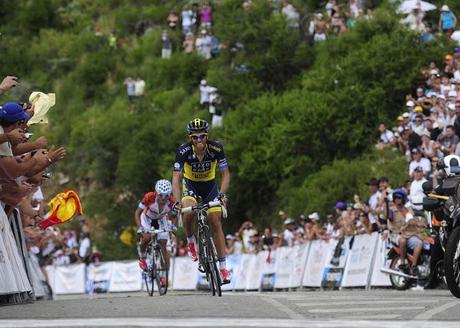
(200, 207)
(157, 231)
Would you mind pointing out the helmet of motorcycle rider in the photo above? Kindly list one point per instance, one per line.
(449, 162)
(163, 187)
(400, 193)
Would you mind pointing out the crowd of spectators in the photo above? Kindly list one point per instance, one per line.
(25, 167)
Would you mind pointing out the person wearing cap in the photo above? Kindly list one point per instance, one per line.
(447, 20)
(418, 160)
(416, 193)
(203, 44)
(288, 235)
(447, 142)
(283, 215)
(205, 93)
(13, 117)
(318, 28)
(372, 203)
(418, 125)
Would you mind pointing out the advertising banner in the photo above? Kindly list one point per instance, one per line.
(379, 278)
(300, 260)
(126, 277)
(358, 267)
(98, 277)
(320, 252)
(185, 274)
(70, 279)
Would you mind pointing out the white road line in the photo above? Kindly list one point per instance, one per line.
(283, 308)
(368, 309)
(366, 302)
(372, 317)
(432, 312)
(221, 322)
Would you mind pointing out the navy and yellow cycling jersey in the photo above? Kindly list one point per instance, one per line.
(196, 170)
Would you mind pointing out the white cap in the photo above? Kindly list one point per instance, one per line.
(405, 115)
(410, 103)
(452, 93)
(451, 106)
(445, 8)
(314, 216)
(203, 82)
(433, 72)
(289, 221)
(441, 97)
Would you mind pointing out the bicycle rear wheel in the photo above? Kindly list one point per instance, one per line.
(204, 257)
(160, 272)
(215, 274)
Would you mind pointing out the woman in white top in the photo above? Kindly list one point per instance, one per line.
(428, 145)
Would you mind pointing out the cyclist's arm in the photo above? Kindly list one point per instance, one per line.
(176, 185)
(225, 183)
(137, 216)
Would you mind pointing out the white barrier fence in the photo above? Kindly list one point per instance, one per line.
(314, 264)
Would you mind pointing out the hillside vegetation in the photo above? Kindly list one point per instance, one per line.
(298, 122)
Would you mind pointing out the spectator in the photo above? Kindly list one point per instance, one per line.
(432, 128)
(288, 235)
(416, 193)
(318, 28)
(372, 208)
(419, 127)
(139, 87)
(332, 8)
(245, 232)
(267, 239)
(85, 247)
(428, 148)
(415, 20)
(203, 44)
(229, 244)
(409, 140)
(292, 15)
(187, 20)
(254, 244)
(205, 92)
(330, 220)
(166, 49)
(386, 137)
(238, 245)
(363, 225)
(129, 83)
(447, 21)
(172, 20)
(206, 15)
(447, 142)
(419, 161)
(189, 43)
(337, 24)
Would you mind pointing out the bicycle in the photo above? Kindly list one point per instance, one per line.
(156, 265)
(207, 254)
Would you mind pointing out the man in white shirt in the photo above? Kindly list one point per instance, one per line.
(386, 136)
(418, 160)
(373, 201)
(139, 87)
(416, 193)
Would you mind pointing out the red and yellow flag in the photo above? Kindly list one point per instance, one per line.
(62, 208)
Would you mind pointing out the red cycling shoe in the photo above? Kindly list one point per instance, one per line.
(192, 251)
(225, 275)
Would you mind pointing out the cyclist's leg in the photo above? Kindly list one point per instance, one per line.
(144, 237)
(163, 240)
(189, 199)
(214, 219)
(163, 243)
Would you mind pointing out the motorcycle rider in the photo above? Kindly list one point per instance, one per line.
(396, 214)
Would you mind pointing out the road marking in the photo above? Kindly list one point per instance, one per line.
(221, 322)
(365, 302)
(368, 309)
(283, 308)
(371, 317)
(432, 312)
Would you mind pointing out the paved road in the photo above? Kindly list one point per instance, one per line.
(347, 308)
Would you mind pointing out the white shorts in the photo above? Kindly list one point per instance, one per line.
(162, 224)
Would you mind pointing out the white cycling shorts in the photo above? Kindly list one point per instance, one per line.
(162, 224)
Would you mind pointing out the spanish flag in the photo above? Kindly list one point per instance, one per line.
(62, 208)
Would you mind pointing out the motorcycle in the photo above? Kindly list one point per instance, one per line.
(445, 203)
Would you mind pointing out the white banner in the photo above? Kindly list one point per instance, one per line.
(185, 274)
(320, 251)
(242, 277)
(335, 265)
(98, 277)
(13, 278)
(126, 277)
(70, 279)
(36, 275)
(300, 260)
(379, 278)
(284, 266)
(359, 262)
(255, 271)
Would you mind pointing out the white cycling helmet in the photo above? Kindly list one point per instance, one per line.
(163, 187)
(451, 161)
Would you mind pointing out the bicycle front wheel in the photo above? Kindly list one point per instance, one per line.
(161, 272)
(148, 276)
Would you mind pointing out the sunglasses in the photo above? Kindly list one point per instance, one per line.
(198, 136)
(163, 196)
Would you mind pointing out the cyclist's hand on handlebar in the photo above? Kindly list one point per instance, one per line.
(176, 208)
(223, 198)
